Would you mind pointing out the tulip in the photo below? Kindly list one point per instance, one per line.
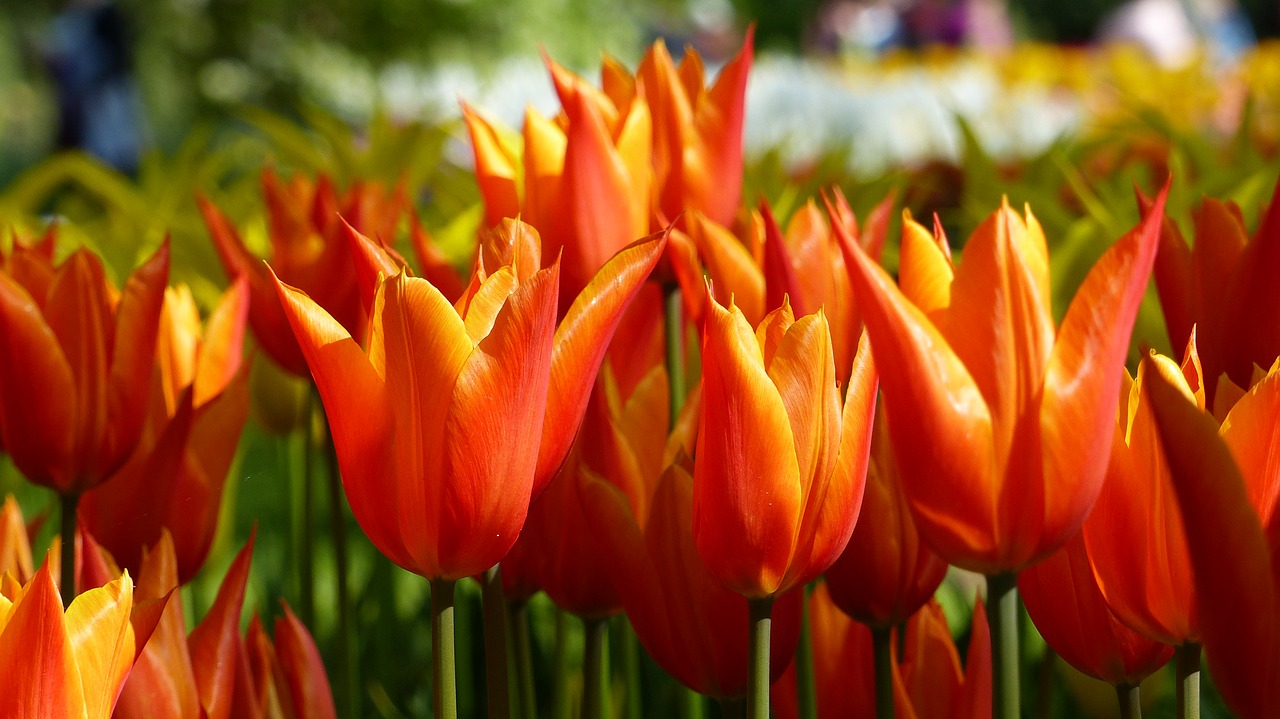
(198, 408)
(285, 679)
(1135, 536)
(71, 665)
(1147, 579)
(1226, 490)
(697, 131)
(441, 383)
(992, 408)
(308, 251)
(75, 373)
(685, 619)
(1064, 601)
(586, 181)
(1222, 286)
(781, 464)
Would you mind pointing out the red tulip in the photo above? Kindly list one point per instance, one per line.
(1223, 287)
(308, 250)
(15, 545)
(75, 375)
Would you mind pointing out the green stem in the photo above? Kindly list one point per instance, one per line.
(524, 661)
(675, 349)
(758, 669)
(69, 504)
(882, 648)
(1002, 615)
(806, 687)
(560, 668)
(595, 670)
(307, 541)
(633, 708)
(1130, 701)
(693, 705)
(349, 692)
(497, 688)
(1187, 666)
(446, 690)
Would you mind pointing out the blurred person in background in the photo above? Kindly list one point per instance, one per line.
(87, 51)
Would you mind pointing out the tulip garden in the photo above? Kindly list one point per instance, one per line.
(614, 419)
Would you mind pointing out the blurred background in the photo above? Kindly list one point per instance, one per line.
(126, 76)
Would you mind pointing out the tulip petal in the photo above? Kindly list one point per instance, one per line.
(939, 421)
(924, 269)
(748, 492)
(303, 670)
(1082, 380)
(425, 346)
(1229, 554)
(581, 340)
(494, 427)
(1252, 432)
(1172, 273)
(496, 169)
(213, 642)
(267, 315)
(711, 174)
(355, 399)
(137, 325)
(37, 390)
(37, 658)
(103, 643)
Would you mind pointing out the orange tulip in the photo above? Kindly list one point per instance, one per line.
(1067, 607)
(75, 373)
(992, 408)
(686, 620)
(440, 384)
(308, 250)
(886, 573)
(586, 177)
(1223, 287)
(697, 131)
(199, 404)
(15, 544)
(71, 665)
(1227, 490)
(928, 680)
(781, 464)
(1134, 535)
(806, 264)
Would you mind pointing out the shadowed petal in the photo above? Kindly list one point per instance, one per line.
(1229, 554)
